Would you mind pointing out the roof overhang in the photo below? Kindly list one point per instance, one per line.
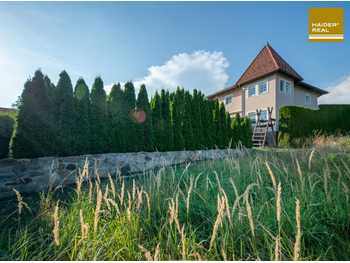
(312, 88)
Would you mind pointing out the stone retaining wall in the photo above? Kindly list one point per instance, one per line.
(35, 175)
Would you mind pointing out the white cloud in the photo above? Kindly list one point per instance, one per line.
(338, 94)
(202, 70)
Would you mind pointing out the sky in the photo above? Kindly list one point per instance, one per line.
(202, 45)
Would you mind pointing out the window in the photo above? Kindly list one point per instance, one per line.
(285, 87)
(282, 82)
(252, 117)
(263, 115)
(288, 88)
(228, 100)
(263, 87)
(252, 91)
(308, 100)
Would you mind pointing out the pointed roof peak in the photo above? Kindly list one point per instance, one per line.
(267, 62)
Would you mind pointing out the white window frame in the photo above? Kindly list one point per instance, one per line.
(306, 101)
(256, 115)
(230, 97)
(267, 87)
(255, 90)
(284, 89)
(252, 112)
(267, 114)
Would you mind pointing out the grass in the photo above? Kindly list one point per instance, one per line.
(265, 205)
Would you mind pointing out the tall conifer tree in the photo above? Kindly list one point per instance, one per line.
(33, 136)
(118, 119)
(187, 122)
(144, 126)
(177, 120)
(156, 121)
(166, 132)
(98, 118)
(66, 115)
(82, 108)
(130, 104)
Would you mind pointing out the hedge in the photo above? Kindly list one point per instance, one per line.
(6, 130)
(297, 125)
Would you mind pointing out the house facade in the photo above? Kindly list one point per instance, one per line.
(269, 81)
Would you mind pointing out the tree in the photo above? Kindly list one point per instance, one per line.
(247, 132)
(207, 123)
(156, 121)
(236, 130)
(228, 131)
(130, 106)
(144, 124)
(51, 116)
(176, 112)
(197, 120)
(118, 117)
(66, 116)
(187, 125)
(216, 124)
(166, 132)
(33, 136)
(82, 122)
(6, 130)
(98, 118)
(223, 135)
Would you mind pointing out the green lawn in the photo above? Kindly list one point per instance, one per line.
(233, 209)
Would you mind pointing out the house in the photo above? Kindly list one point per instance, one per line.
(269, 81)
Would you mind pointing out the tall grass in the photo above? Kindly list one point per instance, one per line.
(290, 205)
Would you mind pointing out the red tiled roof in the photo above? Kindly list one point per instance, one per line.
(266, 62)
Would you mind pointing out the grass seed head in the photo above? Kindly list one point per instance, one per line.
(272, 176)
(84, 227)
(219, 219)
(278, 202)
(56, 225)
(111, 182)
(250, 215)
(296, 252)
(97, 209)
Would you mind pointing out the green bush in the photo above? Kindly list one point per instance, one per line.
(297, 125)
(6, 130)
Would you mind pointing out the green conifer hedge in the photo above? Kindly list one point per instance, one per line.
(57, 120)
(297, 124)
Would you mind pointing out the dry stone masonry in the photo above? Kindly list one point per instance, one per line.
(36, 175)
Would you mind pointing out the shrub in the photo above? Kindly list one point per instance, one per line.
(6, 130)
(297, 125)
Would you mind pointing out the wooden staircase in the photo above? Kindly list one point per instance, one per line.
(261, 129)
(259, 134)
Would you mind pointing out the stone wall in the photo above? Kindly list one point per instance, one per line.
(35, 175)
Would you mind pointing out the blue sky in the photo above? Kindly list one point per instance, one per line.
(196, 45)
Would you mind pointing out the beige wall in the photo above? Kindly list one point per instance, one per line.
(243, 104)
(261, 101)
(236, 105)
(297, 97)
